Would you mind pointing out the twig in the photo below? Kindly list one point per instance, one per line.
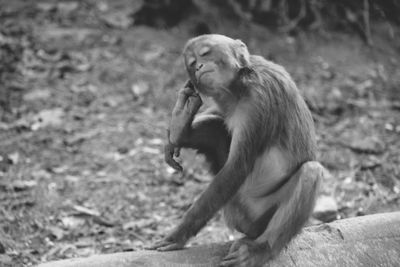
(293, 23)
(313, 5)
(367, 28)
(283, 11)
(237, 9)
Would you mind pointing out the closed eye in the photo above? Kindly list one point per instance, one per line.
(191, 61)
(204, 51)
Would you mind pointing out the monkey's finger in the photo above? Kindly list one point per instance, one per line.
(154, 246)
(235, 246)
(231, 262)
(173, 246)
(169, 151)
(175, 165)
(189, 84)
(182, 98)
(158, 244)
(151, 247)
(233, 255)
(195, 102)
(177, 151)
(189, 91)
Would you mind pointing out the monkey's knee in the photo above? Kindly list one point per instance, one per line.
(311, 173)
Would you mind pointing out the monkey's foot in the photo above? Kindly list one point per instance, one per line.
(246, 253)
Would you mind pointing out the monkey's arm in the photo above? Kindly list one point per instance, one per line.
(186, 107)
(204, 132)
(225, 184)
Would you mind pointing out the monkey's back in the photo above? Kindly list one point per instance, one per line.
(289, 117)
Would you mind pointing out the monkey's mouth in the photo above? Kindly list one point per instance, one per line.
(202, 73)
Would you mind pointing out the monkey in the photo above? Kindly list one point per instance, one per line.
(259, 138)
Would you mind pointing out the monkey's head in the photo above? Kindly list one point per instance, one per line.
(213, 61)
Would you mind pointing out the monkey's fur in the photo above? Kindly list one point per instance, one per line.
(259, 138)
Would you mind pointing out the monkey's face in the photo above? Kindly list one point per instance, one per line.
(212, 62)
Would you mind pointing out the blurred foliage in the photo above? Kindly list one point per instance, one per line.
(283, 15)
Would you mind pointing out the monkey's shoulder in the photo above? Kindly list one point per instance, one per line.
(267, 68)
(259, 62)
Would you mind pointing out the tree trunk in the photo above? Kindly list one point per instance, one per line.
(372, 240)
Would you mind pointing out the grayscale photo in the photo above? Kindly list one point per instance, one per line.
(188, 133)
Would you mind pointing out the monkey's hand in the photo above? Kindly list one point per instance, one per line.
(170, 151)
(173, 241)
(186, 107)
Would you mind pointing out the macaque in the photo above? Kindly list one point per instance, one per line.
(259, 139)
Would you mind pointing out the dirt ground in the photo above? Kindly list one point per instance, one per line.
(85, 100)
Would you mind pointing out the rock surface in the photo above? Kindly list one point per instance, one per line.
(372, 240)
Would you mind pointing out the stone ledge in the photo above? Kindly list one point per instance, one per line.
(372, 240)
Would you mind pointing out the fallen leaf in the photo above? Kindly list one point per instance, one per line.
(14, 157)
(72, 178)
(140, 89)
(86, 211)
(5, 259)
(371, 145)
(41, 94)
(21, 185)
(139, 223)
(84, 242)
(45, 6)
(81, 136)
(48, 117)
(85, 252)
(153, 53)
(120, 19)
(156, 141)
(2, 248)
(56, 232)
(60, 169)
(67, 7)
(370, 163)
(72, 222)
(102, 221)
(151, 150)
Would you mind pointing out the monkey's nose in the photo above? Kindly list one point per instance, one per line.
(199, 66)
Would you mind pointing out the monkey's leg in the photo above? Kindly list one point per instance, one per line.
(296, 200)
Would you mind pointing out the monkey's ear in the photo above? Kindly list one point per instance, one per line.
(241, 52)
(240, 43)
(244, 77)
